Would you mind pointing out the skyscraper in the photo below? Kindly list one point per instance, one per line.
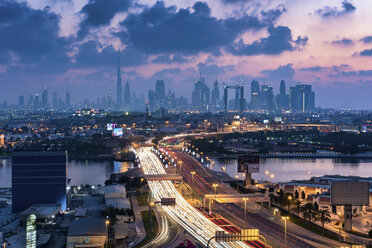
(44, 98)
(68, 101)
(282, 99)
(215, 96)
(119, 91)
(21, 101)
(55, 100)
(127, 98)
(36, 101)
(38, 177)
(268, 101)
(255, 95)
(159, 94)
(151, 100)
(201, 95)
(302, 98)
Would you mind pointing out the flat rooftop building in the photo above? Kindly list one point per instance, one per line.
(38, 177)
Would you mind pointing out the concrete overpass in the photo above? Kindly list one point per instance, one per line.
(162, 177)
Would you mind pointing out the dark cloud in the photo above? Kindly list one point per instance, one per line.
(100, 12)
(161, 29)
(89, 55)
(32, 36)
(168, 59)
(366, 39)
(279, 40)
(328, 11)
(313, 69)
(343, 42)
(366, 52)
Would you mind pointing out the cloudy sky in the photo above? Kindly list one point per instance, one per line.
(71, 44)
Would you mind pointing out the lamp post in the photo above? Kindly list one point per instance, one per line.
(193, 174)
(150, 214)
(237, 182)
(271, 177)
(245, 208)
(224, 172)
(289, 206)
(180, 169)
(285, 218)
(107, 223)
(266, 173)
(340, 226)
(215, 185)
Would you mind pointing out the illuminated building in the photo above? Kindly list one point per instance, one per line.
(159, 94)
(201, 95)
(255, 95)
(302, 98)
(38, 177)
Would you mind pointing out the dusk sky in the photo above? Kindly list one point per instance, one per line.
(67, 44)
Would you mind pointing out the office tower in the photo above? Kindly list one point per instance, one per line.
(282, 99)
(215, 96)
(159, 94)
(119, 91)
(104, 103)
(30, 101)
(68, 103)
(201, 95)
(44, 98)
(21, 101)
(151, 100)
(268, 101)
(171, 100)
(36, 101)
(38, 177)
(127, 97)
(255, 95)
(55, 100)
(302, 98)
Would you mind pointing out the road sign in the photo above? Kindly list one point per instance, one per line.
(254, 233)
(168, 201)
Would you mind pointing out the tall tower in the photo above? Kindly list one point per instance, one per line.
(159, 94)
(127, 97)
(119, 91)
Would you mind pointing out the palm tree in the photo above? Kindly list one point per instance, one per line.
(324, 217)
(308, 211)
(297, 207)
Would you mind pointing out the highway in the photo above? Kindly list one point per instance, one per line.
(183, 213)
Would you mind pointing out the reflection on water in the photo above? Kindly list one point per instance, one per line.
(290, 169)
(80, 171)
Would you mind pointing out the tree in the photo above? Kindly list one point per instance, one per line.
(324, 217)
(297, 207)
(308, 211)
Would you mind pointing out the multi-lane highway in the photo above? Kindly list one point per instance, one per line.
(183, 213)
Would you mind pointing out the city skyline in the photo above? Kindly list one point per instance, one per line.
(302, 43)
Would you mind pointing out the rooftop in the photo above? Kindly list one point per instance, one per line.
(89, 226)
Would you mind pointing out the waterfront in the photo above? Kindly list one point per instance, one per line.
(289, 169)
(80, 171)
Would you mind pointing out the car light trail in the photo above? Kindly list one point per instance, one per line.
(183, 213)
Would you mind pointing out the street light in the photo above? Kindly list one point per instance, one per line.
(285, 218)
(266, 173)
(340, 226)
(271, 177)
(180, 163)
(224, 172)
(215, 185)
(237, 182)
(290, 204)
(245, 208)
(107, 223)
(192, 174)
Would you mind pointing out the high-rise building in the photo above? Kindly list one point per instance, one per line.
(110, 102)
(119, 91)
(282, 99)
(255, 95)
(55, 100)
(21, 101)
(159, 94)
(268, 101)
(38, 177)
(201, 95)
(171, 100)
(127, 97)
(30, 101)
(44, 98)
(215, 101)
(68, 100)
(302, 98)
(151, 100)
(36, 103)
